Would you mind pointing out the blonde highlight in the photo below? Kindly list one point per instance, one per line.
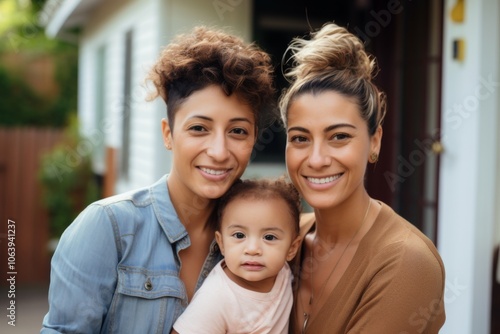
(334, 59)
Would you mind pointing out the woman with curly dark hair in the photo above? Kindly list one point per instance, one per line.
(132, 262)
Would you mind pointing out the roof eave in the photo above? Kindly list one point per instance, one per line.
(61, 17)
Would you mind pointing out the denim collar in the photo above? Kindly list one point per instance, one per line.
(165, 212)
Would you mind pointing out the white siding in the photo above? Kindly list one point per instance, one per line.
(87, 101)
(145, 123)
(108, 27)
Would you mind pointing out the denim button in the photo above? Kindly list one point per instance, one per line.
(148, 285)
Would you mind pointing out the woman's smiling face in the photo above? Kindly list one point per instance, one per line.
(328, 146)
(211, 143)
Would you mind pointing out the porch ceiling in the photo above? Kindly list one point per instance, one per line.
(62, 17)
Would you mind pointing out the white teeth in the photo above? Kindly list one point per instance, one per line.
(212, 171)
(323, 179)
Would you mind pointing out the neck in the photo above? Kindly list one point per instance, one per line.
(194, 218)
(338, 224)
(193, 211)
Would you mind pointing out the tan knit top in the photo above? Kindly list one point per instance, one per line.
(394, 284)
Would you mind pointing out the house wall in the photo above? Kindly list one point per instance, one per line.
(469, 169)
(107, 29)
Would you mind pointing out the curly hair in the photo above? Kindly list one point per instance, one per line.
(334, 59)
(262, 189)
(207, 56)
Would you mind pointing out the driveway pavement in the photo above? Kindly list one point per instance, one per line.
(31, 306)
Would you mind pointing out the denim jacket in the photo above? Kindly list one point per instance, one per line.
(116, 268)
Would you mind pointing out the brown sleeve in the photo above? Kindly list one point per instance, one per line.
(406, 294)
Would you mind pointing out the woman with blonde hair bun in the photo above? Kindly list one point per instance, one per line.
(361, 268)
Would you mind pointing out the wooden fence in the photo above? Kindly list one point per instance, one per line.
(21, 204)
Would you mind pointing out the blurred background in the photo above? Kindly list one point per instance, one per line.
(75, 125)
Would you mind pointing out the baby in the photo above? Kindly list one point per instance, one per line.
(250, 290)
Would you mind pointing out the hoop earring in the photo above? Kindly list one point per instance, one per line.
(373, 158)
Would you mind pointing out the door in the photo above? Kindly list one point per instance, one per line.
(410, 58)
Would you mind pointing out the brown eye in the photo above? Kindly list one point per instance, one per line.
(341, 136)
(239, 131)
(197, 128)
(298, 139)
(238, 235)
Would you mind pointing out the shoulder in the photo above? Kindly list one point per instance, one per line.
(130, 210)
(120, 215)
(395, 240)
(283, 281)
(121, 211)
(133, 198)
(214, 288)
(215, 285)
(411, 237)
(139, 197)
(398, 258)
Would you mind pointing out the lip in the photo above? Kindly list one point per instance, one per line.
(322, 182)
(252, 266)
(214, 174)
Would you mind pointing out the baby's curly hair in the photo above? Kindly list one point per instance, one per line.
(262, 189)
(207, 56)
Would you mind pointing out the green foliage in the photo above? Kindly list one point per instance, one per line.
(66, 77)
(22, 36)
(22, 106)
(20, 30)
(19, 101)
(67, 180)
(37, 5)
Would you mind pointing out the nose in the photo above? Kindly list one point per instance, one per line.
(319, 156)
(218, 147)
(253, 246)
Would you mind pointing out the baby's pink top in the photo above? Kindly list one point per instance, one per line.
(222, 306)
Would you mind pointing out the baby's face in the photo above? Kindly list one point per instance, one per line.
(257, 237)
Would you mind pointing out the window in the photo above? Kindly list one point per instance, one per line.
(98, 154)
(127, 100)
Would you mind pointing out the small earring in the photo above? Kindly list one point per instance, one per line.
(373, 157)
(168, 147)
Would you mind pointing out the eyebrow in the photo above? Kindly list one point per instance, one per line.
(236, 226)
(327, 129)
(232, 120)
(266, 229)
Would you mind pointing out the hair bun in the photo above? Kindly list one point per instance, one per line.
(332, 48)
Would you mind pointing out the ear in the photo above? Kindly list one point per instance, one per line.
(166, 133)
(294, 248)
(218, 239)
(376, 141)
